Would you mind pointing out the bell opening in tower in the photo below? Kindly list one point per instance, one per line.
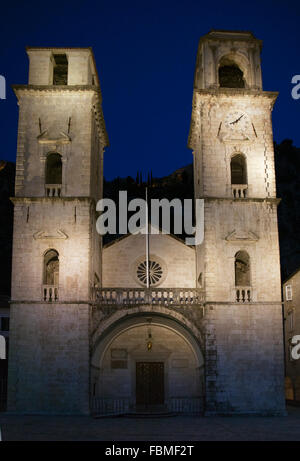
(231, 76)
(60, 71)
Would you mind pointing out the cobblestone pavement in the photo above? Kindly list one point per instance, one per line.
(177, 428)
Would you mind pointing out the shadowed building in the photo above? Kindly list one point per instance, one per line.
(87, 334)
(291, 297)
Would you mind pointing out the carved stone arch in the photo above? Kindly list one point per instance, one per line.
(129, 316)
(240, 61)
(120, 353)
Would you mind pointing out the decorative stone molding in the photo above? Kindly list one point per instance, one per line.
(45, 235)
(44, 138)
(241, 236)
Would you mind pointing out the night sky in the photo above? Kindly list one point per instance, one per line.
(145, 53)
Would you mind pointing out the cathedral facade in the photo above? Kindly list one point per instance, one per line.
(87, 335)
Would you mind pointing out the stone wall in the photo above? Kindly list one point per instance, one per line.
(177, 259)
(49, 223)
(49, 359)
(232, 226)
(244, 359)
(56, 110)
(213, 112)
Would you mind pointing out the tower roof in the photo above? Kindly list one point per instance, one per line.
(222, 34)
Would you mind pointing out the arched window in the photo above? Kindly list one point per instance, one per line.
(238, 169)
(50, 276)
(230, 75)
(242, 269)
(53, 175)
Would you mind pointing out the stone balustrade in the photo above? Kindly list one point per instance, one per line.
(50, 293)
(53, 190)
(243, 294)
(239, 190)
(165, 296)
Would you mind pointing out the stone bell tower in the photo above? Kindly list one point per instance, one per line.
(56, 250)
(238, 262)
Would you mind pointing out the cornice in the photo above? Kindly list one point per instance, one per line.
(236, 92)
(250, 303)
(56, 88)
(274, 200)
(51, 199)
(50, 303)
(230, 35)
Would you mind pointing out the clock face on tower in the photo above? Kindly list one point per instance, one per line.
(236, 125)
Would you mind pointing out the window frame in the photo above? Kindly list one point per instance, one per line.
(288, 292)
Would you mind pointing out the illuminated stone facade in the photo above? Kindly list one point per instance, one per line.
(50, 322)
(231, 138)
(86, 333)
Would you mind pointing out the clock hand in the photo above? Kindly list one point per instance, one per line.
(237, 120)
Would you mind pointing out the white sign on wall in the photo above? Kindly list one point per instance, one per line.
(2, 87)
(2, 348)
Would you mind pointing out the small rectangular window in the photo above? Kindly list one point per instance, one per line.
(4, 323)
(288, 293)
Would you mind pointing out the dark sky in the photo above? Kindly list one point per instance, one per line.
(145, 53)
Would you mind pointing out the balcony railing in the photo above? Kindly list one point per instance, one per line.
(165, 296)
(53, 190)
(239, 190)
(50, 293)
(105, 406)
(243, 294)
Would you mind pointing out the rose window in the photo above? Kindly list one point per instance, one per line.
(155, 273)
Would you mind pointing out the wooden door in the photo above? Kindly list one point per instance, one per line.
(149, 383)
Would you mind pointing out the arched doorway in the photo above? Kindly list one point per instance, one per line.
(147, 363)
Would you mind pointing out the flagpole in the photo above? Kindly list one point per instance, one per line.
(147, 239)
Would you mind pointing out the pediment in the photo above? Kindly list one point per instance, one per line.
(240, 235)
(46, 235)
(60, 138)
